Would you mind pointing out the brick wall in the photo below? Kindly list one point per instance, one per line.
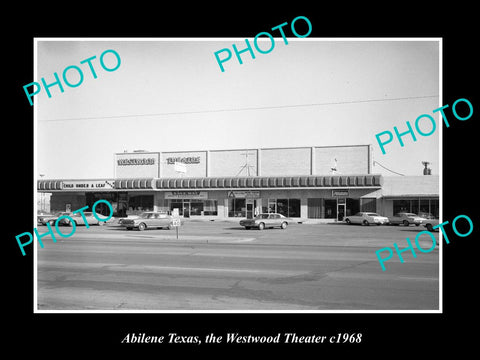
(284, 162)
(232, 162)
(350, 159)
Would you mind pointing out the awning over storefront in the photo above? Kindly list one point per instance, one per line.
(333, 181)
(271, 182)
(134, 184)
(49, 185)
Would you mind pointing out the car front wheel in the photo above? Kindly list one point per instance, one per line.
(261, 226)
(284, 225)
(348, 221)
(406, 223)
(429, 227)
(142, 226)
(365, 222)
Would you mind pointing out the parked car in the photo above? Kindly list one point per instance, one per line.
(51, 219)
(406, 219)
(129, 217)
(426, 215)
(269, 220)
(41, 218)
(78, 219)
(366, 218)
(151, 219)
(430, 223)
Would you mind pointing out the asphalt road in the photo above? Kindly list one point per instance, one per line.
(221, 266)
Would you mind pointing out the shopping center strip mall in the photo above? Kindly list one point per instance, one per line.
(324, 183)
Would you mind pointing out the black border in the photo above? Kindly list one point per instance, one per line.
(383, 334)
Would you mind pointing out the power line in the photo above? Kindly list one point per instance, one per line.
(241, 109)
(376, 162)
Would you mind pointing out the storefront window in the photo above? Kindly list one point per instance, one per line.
(282, 207)
(286, 207)
(118, 201)
(140, 203)
(330, 208)
(210, 207)
(236, 207)
(414, 206)
(314, 208)
(177, 204)
(194, 207)
(434, 208)
(293, 207)
(369, 205)
(423, 207)
(401, 206)
(353, 206)
(272, 206)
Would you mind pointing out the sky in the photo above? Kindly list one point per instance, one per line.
(170, 95)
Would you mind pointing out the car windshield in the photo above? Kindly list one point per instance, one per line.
(410, 214)
(372, 214)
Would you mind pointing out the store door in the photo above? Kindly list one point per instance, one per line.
(186, 208)
(250, 208)
(341, 203)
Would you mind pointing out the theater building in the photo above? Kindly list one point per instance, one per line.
(318, 182)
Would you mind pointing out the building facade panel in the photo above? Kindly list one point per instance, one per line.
(195, 164)
(233, 162)
(137, 165)
(285, 161)
(346, 159)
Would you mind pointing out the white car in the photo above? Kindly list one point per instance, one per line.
(78, 219)
(366, 218)
(406, 219)
(430, 223)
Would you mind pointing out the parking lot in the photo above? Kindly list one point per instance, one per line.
(222, 266)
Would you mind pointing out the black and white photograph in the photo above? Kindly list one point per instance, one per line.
(228, 186)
